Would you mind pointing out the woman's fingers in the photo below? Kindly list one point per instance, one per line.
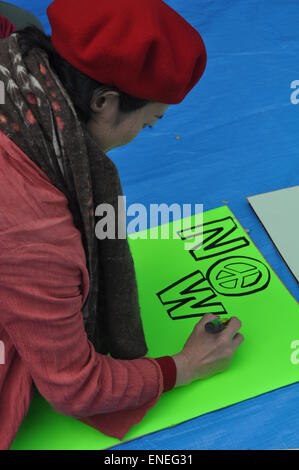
(237, 340)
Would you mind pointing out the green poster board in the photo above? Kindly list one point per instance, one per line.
(222, 272)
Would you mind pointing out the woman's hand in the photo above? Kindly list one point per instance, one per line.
(206, 354)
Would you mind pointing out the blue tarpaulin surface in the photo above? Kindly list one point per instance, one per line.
(239, 136)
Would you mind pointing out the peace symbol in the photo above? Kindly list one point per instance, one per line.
(238, 275)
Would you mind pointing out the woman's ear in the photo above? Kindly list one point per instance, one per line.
(102, 100)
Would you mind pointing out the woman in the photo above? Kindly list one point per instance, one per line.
(69, 315)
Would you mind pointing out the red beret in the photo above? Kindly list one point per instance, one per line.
(142, 47)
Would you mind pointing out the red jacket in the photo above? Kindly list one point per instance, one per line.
(43, 286)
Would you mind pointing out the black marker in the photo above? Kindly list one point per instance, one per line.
(215, 326)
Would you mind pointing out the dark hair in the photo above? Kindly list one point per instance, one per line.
(79, 86)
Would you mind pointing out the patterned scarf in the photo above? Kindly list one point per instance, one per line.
(38, 115)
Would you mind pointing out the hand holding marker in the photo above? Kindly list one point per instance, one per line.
(216, 326)
(206, 354)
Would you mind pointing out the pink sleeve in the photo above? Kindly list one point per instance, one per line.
(40, 303)
(111, 422)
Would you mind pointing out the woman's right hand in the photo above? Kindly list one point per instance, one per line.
(206, 354)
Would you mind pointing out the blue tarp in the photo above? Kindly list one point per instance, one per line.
(239, 136)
